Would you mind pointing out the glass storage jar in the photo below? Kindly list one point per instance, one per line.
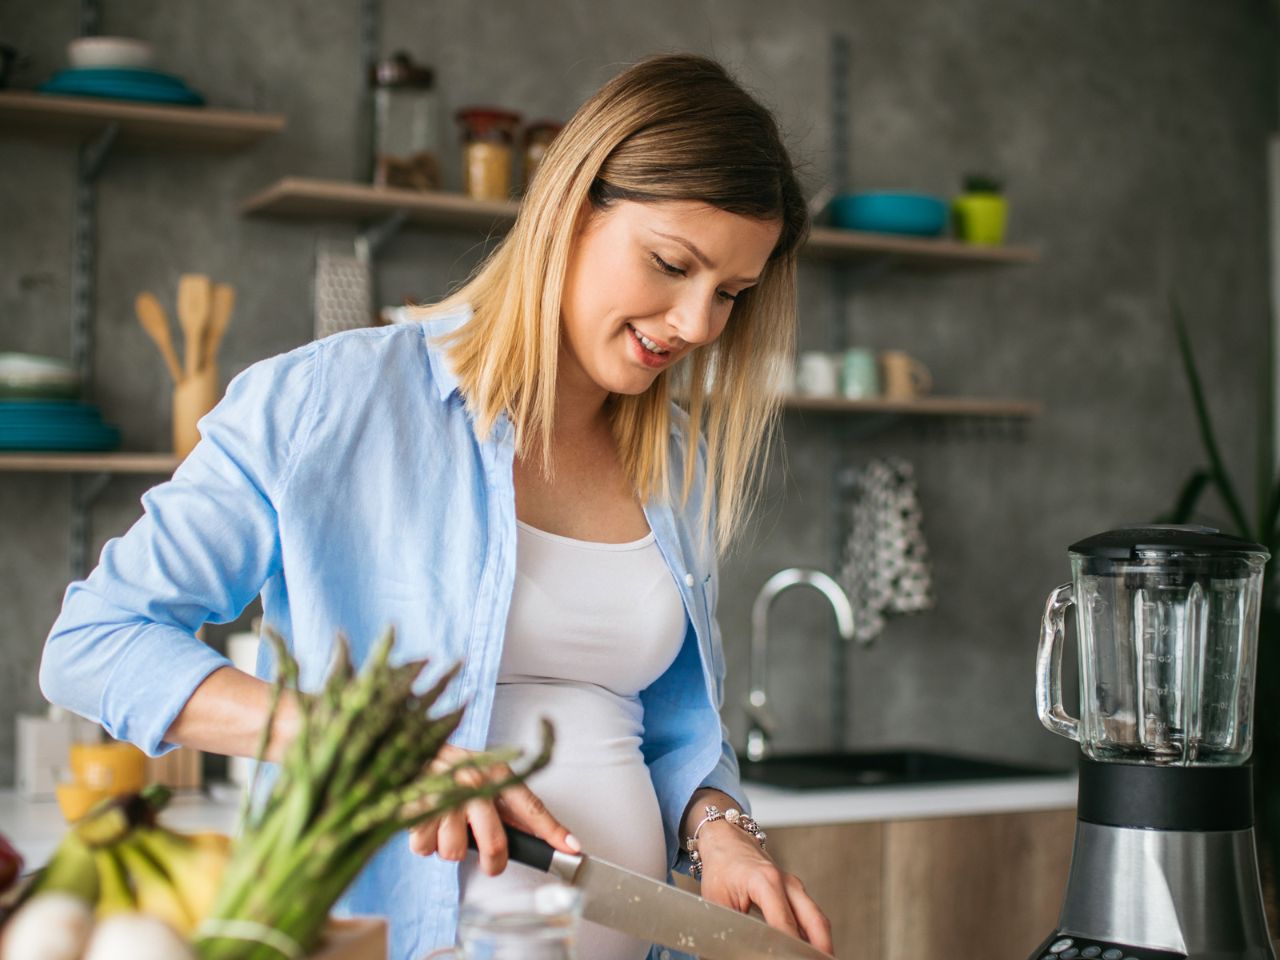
(537, 137)
(488, 138)
(406, 124)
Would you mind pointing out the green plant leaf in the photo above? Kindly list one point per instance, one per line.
(1188, 497)
(1220, 478)
(1268, 535)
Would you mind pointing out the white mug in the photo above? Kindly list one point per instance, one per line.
(818, 374)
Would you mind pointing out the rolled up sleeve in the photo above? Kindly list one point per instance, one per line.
(123, 650)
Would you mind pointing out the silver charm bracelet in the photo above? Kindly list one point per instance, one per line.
(713, 813)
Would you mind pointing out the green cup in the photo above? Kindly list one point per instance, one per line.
(859, 374)
(980, 218)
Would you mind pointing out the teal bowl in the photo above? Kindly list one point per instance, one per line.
(917, 214)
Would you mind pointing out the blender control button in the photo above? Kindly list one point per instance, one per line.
(1061, 945)
(1090, 952)
(1069, 954)
(1112, 954)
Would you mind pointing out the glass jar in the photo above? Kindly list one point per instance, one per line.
(488, 148)
(1167, 636)
(538, 923)
(537, 137)
(406, 124)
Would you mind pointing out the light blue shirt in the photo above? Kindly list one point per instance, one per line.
(343, 481)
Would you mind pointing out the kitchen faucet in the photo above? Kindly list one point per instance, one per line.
(762, 723)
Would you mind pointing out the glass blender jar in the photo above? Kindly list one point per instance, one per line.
(1164, 865)
(1167, 627)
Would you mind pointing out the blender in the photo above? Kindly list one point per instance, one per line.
(1164, 863)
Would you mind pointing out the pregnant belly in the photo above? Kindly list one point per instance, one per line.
(596, 785)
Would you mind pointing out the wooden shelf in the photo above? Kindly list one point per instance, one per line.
(827, 243)
(922, 406)
(302, 197)
(48, 116)
(117, 462)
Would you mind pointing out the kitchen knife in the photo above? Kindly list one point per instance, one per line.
(651, 910)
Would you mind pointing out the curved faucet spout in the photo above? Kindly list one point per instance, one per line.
(757, 699)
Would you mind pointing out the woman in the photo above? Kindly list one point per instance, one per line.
(509, 482)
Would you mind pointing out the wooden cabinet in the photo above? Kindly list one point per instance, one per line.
(910, 889)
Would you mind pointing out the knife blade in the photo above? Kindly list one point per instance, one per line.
(649, 909)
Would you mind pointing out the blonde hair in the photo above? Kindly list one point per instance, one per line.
(674, 127)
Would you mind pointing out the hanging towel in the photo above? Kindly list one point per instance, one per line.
(886, 562)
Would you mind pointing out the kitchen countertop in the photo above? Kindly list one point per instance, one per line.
(778, 807)
(34, 827)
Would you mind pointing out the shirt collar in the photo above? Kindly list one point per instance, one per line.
(441, 372)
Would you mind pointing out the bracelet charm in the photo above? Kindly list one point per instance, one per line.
(713, 813)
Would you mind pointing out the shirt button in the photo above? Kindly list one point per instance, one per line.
(665, 955)
(688, 579)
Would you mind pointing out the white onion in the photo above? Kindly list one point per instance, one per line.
(136, 936)
(50, 926)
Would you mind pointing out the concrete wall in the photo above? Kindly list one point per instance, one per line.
(1132, 137)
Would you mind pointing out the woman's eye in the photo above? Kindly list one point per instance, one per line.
(677, 272)
(666, 267)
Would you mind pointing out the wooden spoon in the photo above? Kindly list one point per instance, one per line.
(151, 316)
(194, 295)
(224, 300)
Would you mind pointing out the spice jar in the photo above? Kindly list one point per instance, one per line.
(406, 124)
(537, 137)
(488, 138)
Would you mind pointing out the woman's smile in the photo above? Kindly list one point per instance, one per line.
(649, 352)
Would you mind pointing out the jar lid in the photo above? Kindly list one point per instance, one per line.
(485, 117)
(399, 70)
(1132, 542)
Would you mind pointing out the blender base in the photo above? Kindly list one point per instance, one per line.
(1167, 894)
(1171, 872)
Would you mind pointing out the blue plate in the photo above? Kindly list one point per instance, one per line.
(47, 407)
(916, 214)
(117, 74)
(144, 88)
(48, 411)
(105, 438)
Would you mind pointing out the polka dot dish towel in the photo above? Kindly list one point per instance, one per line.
(886, 560)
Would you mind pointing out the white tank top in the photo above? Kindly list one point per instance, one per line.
(590, 626)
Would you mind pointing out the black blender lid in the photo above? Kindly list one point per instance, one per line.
(1128, 542)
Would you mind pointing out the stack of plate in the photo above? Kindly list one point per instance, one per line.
(122, 83)
(39, 409)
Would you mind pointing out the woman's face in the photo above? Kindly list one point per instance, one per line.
(650, 282)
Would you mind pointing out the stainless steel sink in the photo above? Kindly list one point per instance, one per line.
(817, 771)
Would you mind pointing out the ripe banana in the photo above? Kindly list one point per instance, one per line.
(73, 869)
(117, 860)
(114, 893)
(194, 865)
(153, 888)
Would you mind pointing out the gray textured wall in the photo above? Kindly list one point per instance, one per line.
(1132, 137)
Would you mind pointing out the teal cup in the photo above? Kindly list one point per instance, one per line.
(859, 374)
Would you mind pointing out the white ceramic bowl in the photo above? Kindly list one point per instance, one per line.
(109, 52)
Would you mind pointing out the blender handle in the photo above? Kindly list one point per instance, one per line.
(1053, 632)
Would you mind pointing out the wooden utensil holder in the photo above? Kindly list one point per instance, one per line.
(192, 398)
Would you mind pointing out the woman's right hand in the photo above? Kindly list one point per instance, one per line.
(517, 805)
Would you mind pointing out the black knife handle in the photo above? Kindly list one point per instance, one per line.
(523, 848)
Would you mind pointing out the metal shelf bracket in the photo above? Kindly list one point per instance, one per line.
(372, 239)
(85, 489)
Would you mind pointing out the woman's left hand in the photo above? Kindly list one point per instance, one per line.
(737, 873)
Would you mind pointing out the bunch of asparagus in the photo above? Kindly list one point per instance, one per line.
(356, 775)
